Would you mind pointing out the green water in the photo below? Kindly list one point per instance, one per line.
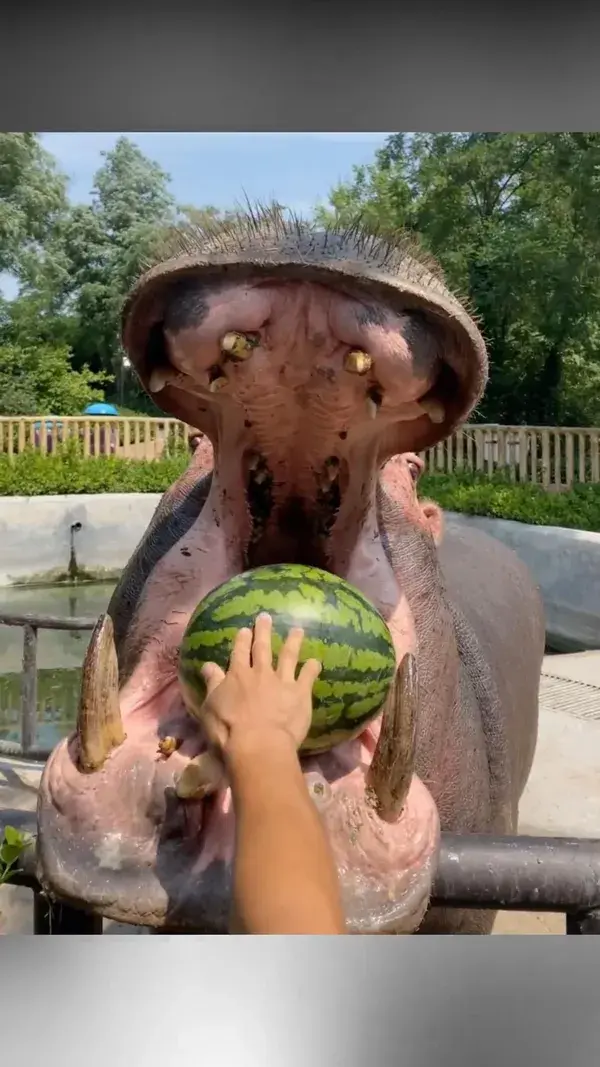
(60, 658)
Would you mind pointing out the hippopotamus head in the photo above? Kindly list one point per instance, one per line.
(306, 359)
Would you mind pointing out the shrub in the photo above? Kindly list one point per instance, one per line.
(498, 498)
(41, 381)
(68, 471)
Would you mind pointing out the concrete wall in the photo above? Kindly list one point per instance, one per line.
(566, 566)
(35, 540)
(35, 534)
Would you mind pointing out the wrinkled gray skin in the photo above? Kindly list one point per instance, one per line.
(462, 603)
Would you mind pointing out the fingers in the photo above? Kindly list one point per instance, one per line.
(288, 656)
(240, 653)
(309, 673)
(213, 676)
(262, 650)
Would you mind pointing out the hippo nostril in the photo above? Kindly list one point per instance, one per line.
(357, 362)
(239, 346)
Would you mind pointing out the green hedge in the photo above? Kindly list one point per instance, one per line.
(497, 498)
(32, 474)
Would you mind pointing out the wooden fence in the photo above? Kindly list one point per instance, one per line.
(553, 456)
(129, 438)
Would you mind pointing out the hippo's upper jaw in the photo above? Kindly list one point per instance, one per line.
(308, 359)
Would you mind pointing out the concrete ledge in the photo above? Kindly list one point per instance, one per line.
(566, 566)
(37, 534)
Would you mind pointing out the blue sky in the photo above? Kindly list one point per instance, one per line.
(296, 169)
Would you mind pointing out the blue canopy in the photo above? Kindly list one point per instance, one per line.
(100, 409)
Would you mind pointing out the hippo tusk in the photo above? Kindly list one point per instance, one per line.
(391, 770)
(99, 725)
(435, 409)
(200, 777)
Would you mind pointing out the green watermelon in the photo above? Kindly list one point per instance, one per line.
(342, 630)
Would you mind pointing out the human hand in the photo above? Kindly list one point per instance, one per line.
(255, 704)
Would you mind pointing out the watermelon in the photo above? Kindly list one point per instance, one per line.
(342, 630)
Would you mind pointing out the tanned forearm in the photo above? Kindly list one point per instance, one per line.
(285, 880)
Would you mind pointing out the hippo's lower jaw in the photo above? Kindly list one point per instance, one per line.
(122, 841)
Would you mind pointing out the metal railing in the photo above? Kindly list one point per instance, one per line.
(537, 874)
(475, 871)
(26, 749)
(552, 456)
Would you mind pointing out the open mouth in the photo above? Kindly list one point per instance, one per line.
(305, 389)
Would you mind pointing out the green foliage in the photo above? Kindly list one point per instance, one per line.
(68, 471)
(12, 846)
(41, 381)
(75, 274)
(498, 498)
(32, 197)
(514, 220)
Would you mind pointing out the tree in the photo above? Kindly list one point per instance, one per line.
(514, 221)
(32, 197)
(107, 244)
(41, 381)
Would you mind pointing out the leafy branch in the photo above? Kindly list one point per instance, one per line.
(14, 844)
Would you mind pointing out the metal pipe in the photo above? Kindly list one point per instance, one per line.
(518, 873)
(29, 689)
(53, 917)
(477, 871)
(48, 622)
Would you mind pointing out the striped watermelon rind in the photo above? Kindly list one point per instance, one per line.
(358, 665)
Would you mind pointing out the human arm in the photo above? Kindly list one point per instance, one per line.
(257, 715)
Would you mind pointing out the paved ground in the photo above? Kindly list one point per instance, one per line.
(562, 797)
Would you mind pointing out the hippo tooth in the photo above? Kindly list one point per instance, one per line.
(357, 362)
(391, 770)
(200, 777)
(434, 409)
(99, 726)
(372, 408)
(158, 380)
(239, 345)
(217, 384)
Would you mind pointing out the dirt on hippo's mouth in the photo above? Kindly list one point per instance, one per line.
(121, 835)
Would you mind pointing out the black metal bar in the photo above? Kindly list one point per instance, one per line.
(15, 748)
(474, 871)
(48, 622)
(584, 922)
(29, 689)
(53, 917)
(518, 873)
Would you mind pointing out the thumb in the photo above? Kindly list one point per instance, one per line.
(213, 676)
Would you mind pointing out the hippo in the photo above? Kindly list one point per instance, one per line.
(317, 365)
